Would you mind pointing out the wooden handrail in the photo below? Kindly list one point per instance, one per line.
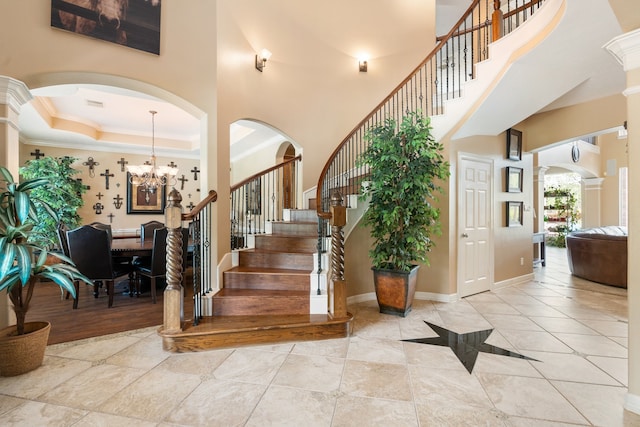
(264, 172)
(211, 197)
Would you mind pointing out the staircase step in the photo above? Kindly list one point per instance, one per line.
(303, 215)
(234, 331)
(295, 228)
(285, 243)
(272, 259)
(244, 302)
(267, 278)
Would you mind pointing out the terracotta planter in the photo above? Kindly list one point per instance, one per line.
(20, 354)
(395, 290)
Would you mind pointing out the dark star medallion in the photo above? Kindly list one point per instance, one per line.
(466, 346)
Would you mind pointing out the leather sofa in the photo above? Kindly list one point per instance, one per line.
(599, 254)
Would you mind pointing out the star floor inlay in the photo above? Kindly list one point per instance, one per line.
(466, 346)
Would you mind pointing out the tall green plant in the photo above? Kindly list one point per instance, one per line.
(406, 164)
(20, 270)
(63, 195)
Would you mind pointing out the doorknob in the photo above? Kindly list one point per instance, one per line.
(465, 235)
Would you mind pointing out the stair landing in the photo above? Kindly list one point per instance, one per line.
(233, 331)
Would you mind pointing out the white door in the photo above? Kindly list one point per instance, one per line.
(475, 248)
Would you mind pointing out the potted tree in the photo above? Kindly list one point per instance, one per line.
(405, 164)
(63, 195)
(22, 345)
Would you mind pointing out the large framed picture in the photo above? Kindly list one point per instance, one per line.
(132, 23)
(514, 144)
(513, 179)
(514, 214)
(142, 201)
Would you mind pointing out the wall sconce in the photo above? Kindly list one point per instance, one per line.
(261, 59)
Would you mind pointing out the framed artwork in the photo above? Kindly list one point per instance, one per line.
(514, 144)
(132, 23)
(141, 201)
(514, 179)
(514, 214)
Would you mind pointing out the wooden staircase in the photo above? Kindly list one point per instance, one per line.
(266, 297)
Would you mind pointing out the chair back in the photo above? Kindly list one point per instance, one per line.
(62, 238)
(146, 229)
(90, 250)
(106, 227)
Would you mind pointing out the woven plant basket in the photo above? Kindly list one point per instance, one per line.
(20, 354)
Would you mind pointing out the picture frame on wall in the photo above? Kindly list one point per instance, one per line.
(514, 214)
(514, 144)
(513, 179)
(131, 23)
(140, 201)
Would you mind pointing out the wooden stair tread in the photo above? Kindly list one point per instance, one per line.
(260, 270)
(271, 251)
(260, 293)
(234, 331)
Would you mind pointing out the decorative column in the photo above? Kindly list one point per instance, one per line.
(590, 211)
(538, 197)
(13, 95)
(338, 291)
(173, 293)
(626, 49)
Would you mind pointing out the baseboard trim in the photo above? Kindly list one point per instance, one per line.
(632, 403)
(513, 281)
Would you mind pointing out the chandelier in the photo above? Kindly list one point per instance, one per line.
(149, 175)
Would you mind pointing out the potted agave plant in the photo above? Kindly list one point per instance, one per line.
(406, 165)
(22, 266)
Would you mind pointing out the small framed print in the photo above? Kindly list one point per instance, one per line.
(514, 144)
(514, 179)
(141, 201)
(514, 214)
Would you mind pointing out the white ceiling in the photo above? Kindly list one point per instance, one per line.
(118, 119)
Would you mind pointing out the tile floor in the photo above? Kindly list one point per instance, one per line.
(576, 330)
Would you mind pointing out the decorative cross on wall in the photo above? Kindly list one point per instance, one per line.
(195, 171)
(106, 175)
(37, 154)
(182, 181)
(117, 201)
(98, 208)
(99, 196)
(111, 216)
(91, 163)
(122, 162)
(191, 206)
(172, 165)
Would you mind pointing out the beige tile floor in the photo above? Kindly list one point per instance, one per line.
(577, 330)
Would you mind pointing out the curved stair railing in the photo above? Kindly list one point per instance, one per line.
(261, 199)
(439, 77)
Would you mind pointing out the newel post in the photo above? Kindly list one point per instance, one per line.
(173, 298)
(497, 21)
(338, 290)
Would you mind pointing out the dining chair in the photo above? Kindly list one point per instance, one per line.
(157, 265)
(90, 250)
(146, 229)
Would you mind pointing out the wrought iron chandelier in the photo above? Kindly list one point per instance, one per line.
(149, 175)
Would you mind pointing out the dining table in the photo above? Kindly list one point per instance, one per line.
(134, 246)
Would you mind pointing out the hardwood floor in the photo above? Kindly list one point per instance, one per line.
(93, 318)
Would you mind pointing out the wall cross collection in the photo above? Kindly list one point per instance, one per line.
(195, 171)
(122, 162)
(111, 216)
(91, 164)
(182, 181)
(107, 175)
(98, 208)
(37, 154)
(99, 195)
(117, 201)
(191, 206)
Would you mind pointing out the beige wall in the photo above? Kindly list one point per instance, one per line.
(117, 184)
